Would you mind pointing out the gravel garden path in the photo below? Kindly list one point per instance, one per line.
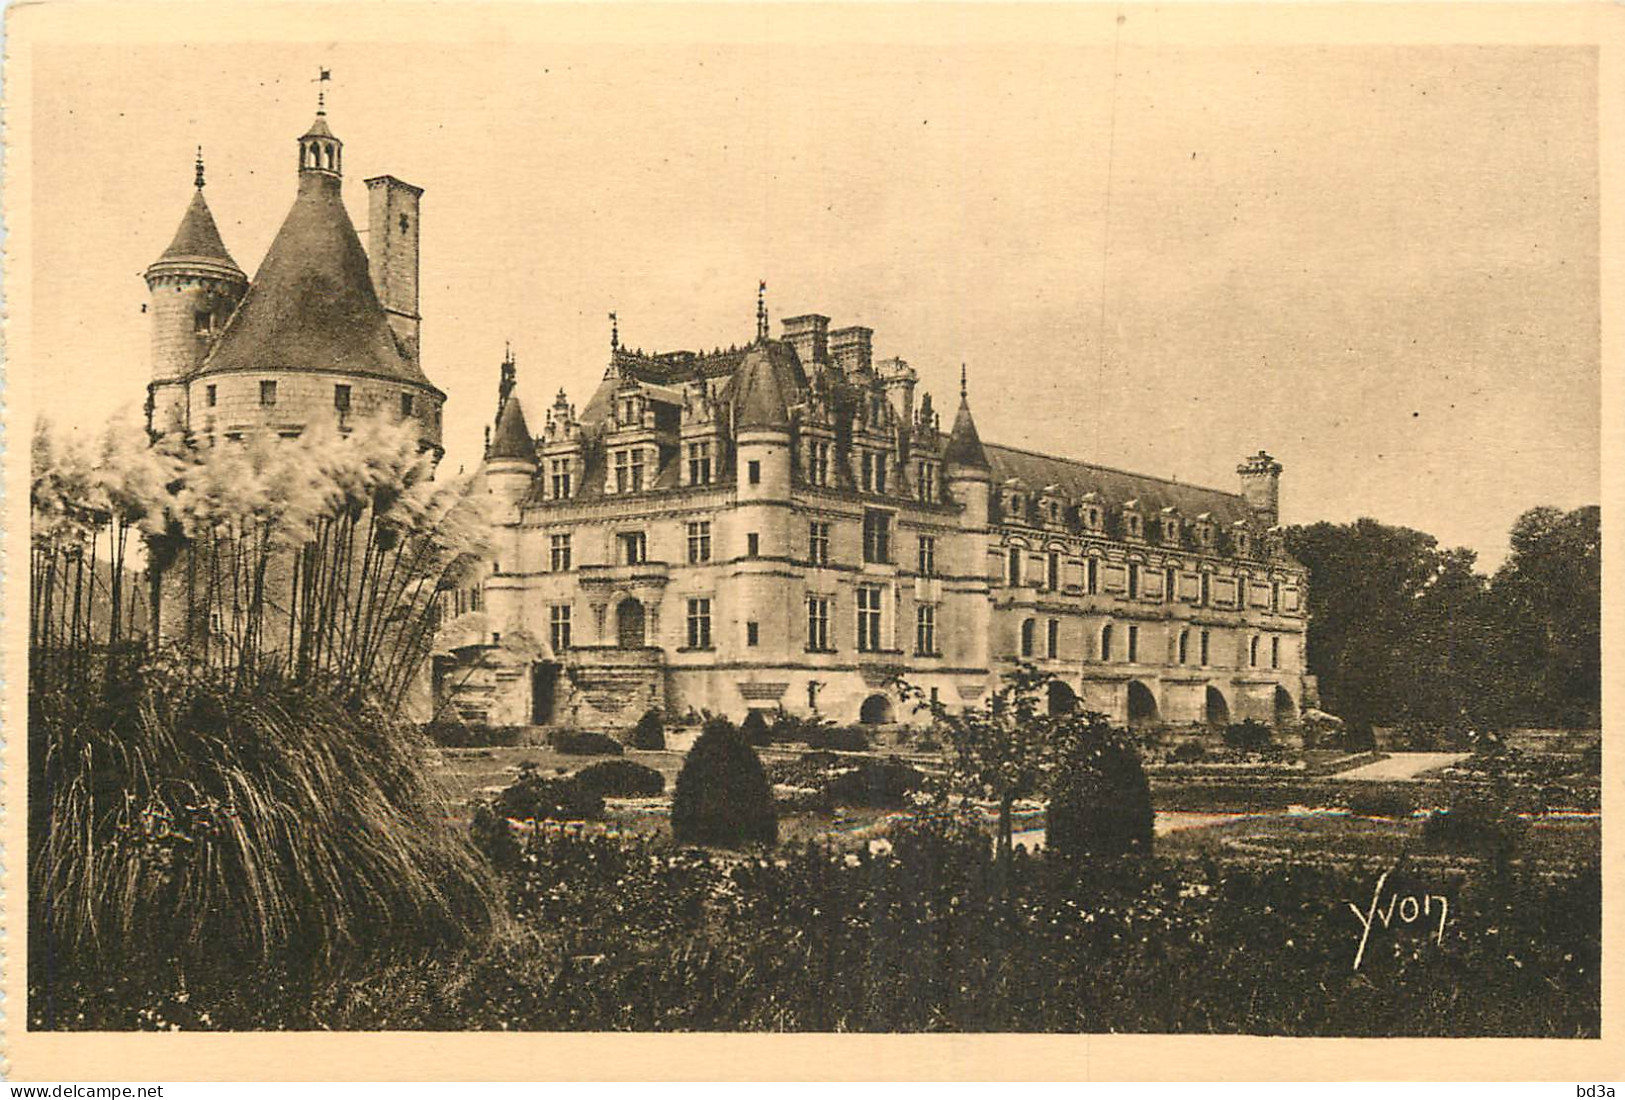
(1402, 766)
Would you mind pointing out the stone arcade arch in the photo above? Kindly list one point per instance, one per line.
(1217, 711)
(629, 623)
(1142, 704)
(1062, 699)
(876, 710)
(1286, 709)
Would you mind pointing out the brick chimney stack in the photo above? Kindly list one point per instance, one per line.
(1261, 486)
(852, 348)
(809, 335)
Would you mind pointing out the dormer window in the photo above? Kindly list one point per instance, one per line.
(203, 322)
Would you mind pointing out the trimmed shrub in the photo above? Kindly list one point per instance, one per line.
(1101, 802)
(1378, 800)
(1249, 736)
(538, 797)
(584, 743)
(755, 729)
(1475, 826)
(723, 797)
(838, 739)
(882, 784)
(1188, 752)
(620, 779)
(463, 735)
(650, 732)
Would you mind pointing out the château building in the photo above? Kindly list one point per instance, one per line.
(787, 524)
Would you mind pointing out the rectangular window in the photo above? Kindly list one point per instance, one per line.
(699, 541)
(1054, 640)
(1106, 642)
(267, 393)
(560, 471)
(876, 536)
(753, 544)
(1275, 653)
(637, 469)
(1207, 596)
(1170, 586)
(210, 397)
(818, 542)
(1133, 581)
(406, 404)
(927, 478)
(872, 465)
(1133, 643)
(1094, 575)
(752, 633)
(818, 462)
(558, 553)
(928, 556)
(925, 630)
(1184, 646)
(1275, 596)
(699, 463)
(754, 469)
(869, 597)
(558, 626)
(818, 623)
(1015, 566)
(203, 322)
(1204, 647)
(341, 398)
(623, 471)
(634, 548)
(1052, 575)
(1026, 637)
(699, 623)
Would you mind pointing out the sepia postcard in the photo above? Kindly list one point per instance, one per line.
(811, 541)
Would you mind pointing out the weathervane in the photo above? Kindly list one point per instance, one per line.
(761, 310)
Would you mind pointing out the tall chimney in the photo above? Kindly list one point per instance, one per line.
(392, 256)
(809, 335)
(851, 348)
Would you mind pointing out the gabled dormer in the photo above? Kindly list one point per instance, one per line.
(1092, 513)
(1014, 501)
(702, 436)
(561, 451)
(1168, 528)
(1132, 521)
(1205, 532)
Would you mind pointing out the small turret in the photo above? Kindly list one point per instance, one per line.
(510, 457)
(195, 286)
(1261, 486)
(969, 473)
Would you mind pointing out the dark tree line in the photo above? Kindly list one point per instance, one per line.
(1406, 631)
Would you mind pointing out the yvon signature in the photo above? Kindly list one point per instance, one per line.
(1409, 909)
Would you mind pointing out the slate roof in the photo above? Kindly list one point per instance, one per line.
(1114, 486)
(311, 305)
(197, 238)
(512, 438)
(768, 382)
(964, 444)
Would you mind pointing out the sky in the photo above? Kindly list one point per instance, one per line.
(1378, 263)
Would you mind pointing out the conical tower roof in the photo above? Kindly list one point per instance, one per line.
(512, 438)
(198, 238)
(312, 305)
(964, 443)
(768, 382)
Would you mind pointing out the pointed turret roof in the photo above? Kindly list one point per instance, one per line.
(312, 305)
(512, 438)
(769, 381)
(198, 238)
(964, 443)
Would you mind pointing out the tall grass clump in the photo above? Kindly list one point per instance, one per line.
(234, 792)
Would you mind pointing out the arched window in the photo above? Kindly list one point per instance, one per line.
(1275, 652)
(1252, 651)
(1027, 637)
(1106, 642)
(1205, 641)
(1015, 566)
(1184, 646)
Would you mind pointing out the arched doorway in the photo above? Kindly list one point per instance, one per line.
(1286, 711)
(1142, 705)
(876, 711)
(1062, 699)
(629, 624)
(1217, 710)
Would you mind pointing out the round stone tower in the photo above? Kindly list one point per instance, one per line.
(195, 285)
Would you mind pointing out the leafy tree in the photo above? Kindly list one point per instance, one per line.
(1548, 600)
(1100, 804)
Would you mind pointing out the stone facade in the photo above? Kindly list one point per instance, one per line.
(781, 525)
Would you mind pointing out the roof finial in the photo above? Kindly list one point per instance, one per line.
(962, 387)
(614, 332)
(321, 93)
(761, 310)
(199, 181)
